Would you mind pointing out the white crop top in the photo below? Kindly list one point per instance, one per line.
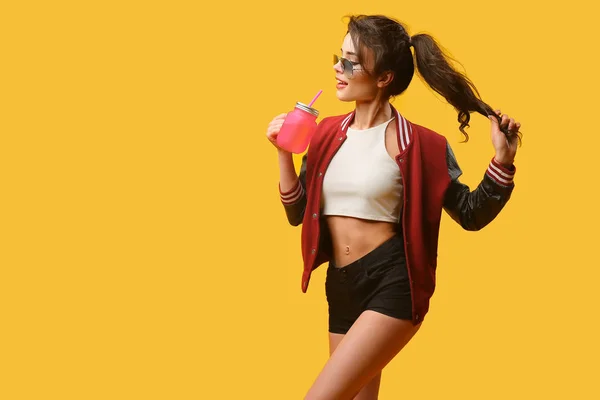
(362, 180)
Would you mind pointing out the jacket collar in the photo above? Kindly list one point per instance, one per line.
(404, 130)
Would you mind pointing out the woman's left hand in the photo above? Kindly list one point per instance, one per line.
(506, 147)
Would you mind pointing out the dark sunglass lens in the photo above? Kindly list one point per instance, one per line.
(347, 68)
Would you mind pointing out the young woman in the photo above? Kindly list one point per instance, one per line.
(370, 193)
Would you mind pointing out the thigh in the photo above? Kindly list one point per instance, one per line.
(371, 390)
(360, 355)
(334, 341)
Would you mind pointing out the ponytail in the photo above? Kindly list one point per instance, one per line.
(458, 90)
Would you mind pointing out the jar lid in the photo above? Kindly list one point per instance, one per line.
(308, 109)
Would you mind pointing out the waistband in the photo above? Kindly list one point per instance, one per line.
(395, 244)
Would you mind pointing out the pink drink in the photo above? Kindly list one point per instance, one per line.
(298, 128)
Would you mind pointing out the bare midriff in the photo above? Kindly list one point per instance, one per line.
(353, 238)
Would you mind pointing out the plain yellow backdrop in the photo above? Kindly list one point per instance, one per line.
(144, 253)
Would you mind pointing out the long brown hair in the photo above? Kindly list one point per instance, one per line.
(390, 43)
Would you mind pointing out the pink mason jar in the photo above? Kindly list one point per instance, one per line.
(298, 128)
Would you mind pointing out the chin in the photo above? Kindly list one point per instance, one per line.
(344, 96)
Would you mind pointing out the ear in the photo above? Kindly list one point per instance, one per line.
(385, 79)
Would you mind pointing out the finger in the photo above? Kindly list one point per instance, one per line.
(275, 124)
(496, 112)
(271, 132)
(278, 118)
(511, 125)
(275, 128)
(504, 122)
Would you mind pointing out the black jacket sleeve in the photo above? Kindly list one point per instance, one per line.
(294, 200)
(475, 209)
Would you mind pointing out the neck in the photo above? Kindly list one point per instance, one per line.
(370, 114)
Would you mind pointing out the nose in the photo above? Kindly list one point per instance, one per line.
(337, 67)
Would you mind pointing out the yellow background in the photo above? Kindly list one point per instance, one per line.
(144, 253)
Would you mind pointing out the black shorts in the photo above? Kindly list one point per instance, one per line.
(377, 281)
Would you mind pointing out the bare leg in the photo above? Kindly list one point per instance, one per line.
(371, 390)
(371, 343)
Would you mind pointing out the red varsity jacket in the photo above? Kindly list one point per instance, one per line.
(430, 176)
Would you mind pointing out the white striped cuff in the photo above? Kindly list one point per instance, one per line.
(293, 195)
(500, 174)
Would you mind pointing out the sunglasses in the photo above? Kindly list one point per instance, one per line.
(348, 67)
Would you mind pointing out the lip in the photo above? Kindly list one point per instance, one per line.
(340, 83)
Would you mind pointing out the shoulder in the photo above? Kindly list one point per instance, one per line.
(435, 143)
(334, 121)
(330, 125)
(428, 136)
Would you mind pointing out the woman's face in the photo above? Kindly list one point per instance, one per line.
(354, 84)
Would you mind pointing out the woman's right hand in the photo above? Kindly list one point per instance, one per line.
(273, 129)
